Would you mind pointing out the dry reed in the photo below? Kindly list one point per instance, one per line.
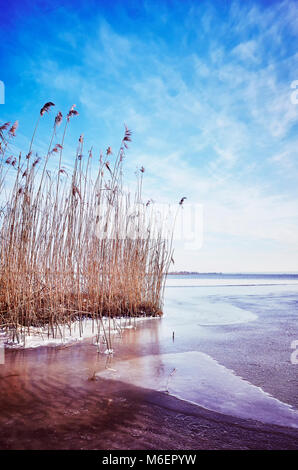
(75, 246)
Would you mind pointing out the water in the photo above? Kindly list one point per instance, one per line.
(223, 343)
(199, 379)
(223, 279)
(194, 303)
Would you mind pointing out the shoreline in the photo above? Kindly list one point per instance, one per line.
(131, 418)
(54, 398)
(80, 330)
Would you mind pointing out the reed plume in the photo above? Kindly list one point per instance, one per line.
(76, 245)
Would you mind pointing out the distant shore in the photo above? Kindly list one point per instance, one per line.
(215, 273)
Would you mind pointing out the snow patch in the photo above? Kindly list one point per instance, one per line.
(78, 331)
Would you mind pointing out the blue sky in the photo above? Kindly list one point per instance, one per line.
(205, 87)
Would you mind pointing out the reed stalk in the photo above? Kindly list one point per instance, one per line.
(75, 246)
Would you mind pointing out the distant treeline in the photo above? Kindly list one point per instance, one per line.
(187, 273)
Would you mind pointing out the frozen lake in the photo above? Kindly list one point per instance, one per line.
(194, 306)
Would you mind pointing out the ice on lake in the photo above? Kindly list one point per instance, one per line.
(196, 377)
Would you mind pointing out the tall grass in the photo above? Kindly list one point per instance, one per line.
(75, 244)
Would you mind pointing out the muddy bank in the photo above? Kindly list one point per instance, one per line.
(108, 415)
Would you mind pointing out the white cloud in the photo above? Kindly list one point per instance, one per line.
(247, 51)
(208, 125)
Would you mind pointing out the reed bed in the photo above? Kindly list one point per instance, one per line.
(75, 244)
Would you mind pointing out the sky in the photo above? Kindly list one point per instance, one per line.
(205, 87)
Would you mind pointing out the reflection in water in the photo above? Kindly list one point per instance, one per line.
(28, 376)
(49, 397)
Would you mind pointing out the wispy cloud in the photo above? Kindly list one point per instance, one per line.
(206, 90)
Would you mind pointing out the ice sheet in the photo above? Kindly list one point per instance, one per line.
(197, 378)
(189, 281)
(79, 331)
(203, 310)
